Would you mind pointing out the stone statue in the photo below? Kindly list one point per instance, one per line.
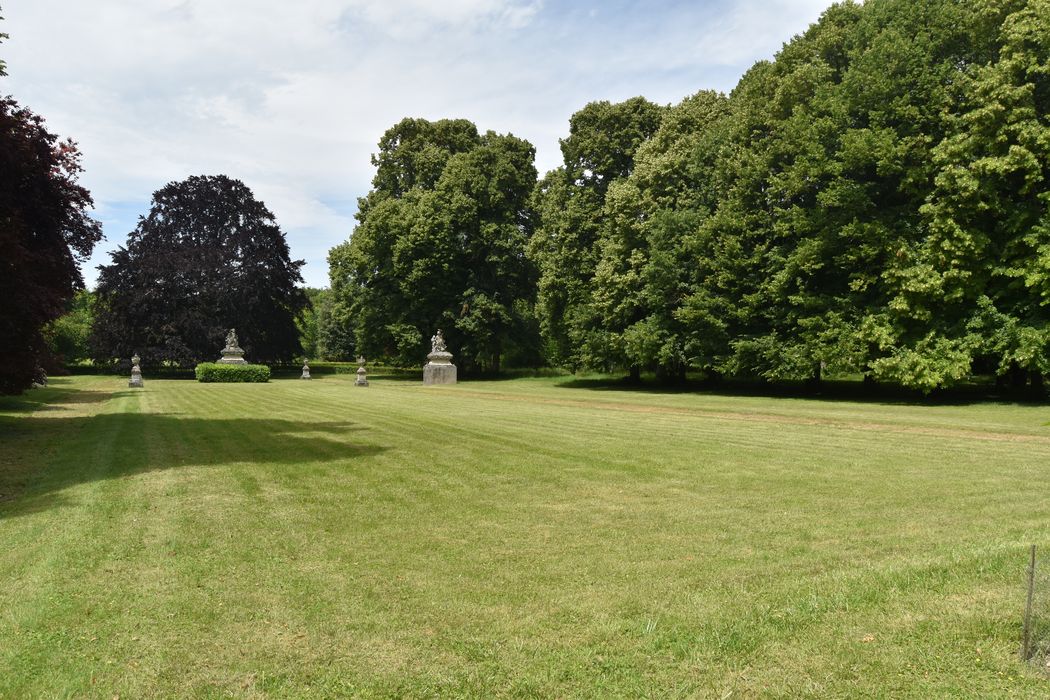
(439, 368)
(306, 370)
(231, 354)
(437, 343)
(136, 372)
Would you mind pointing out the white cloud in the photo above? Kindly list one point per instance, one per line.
(292, 97)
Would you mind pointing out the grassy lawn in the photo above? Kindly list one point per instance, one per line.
(534, 537)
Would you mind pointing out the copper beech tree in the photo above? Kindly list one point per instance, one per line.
(207, 257)
(44, 231)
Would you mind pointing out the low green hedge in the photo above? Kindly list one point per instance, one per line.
(216, 372)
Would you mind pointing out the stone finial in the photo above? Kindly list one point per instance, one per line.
(136, 372)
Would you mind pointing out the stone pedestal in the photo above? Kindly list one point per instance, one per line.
(362, 377)
(439, 369)
(232, 356)
(136, 373)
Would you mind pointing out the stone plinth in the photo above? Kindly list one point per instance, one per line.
(439, 369)
(232, 353)
(362, 377)
(232, 356)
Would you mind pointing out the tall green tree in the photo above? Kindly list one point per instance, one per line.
(984, 266)
(69, 335)
(570, 203)
(440, 243)
(366, 291)
(307, 322)
(206, 258)
(649, 263)
(831, 163)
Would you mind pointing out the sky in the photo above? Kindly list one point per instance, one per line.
(292, 97)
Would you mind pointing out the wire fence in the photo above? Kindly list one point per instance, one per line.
(1035, 642)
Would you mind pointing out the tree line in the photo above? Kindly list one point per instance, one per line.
(872, 201)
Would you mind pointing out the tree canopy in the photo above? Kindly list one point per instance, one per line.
(45, 231)
(440, 243)
(873, 200)
(206, 258)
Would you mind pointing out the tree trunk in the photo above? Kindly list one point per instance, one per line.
(1018, 377)
(1038, 386)
(814, 381)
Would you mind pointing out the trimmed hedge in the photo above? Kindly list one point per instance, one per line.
(215, 372)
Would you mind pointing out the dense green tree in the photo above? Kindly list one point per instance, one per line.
(335, 335)
(830, 164)
(649, 262)
(570, 205)
(206, 258)
(69, 335)
(366, 290)
(873, 200)
(979, 282)
(323, 333)
(440, 243)
(307, 321)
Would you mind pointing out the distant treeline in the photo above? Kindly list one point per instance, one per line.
(873, 201)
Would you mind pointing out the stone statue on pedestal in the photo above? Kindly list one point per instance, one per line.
(362, 374)
(306, 370)
(136, 372)
(232, 354)
(439, 368)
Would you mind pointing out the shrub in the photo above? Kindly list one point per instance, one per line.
(216, 372)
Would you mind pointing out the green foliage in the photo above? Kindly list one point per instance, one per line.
(68, 336)
(872, 201)
(648, 263)
(572, 223)
(229, 373)
(307, 321)
(439, 244)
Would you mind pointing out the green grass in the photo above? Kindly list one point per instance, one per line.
(536, 537)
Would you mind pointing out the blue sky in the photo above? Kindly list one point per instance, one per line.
(291, 98)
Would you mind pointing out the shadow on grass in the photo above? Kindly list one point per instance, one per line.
(826, 390)
(41, 457)
(45, 398)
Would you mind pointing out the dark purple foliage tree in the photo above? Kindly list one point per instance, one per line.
(206, 258)
(44, 232)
